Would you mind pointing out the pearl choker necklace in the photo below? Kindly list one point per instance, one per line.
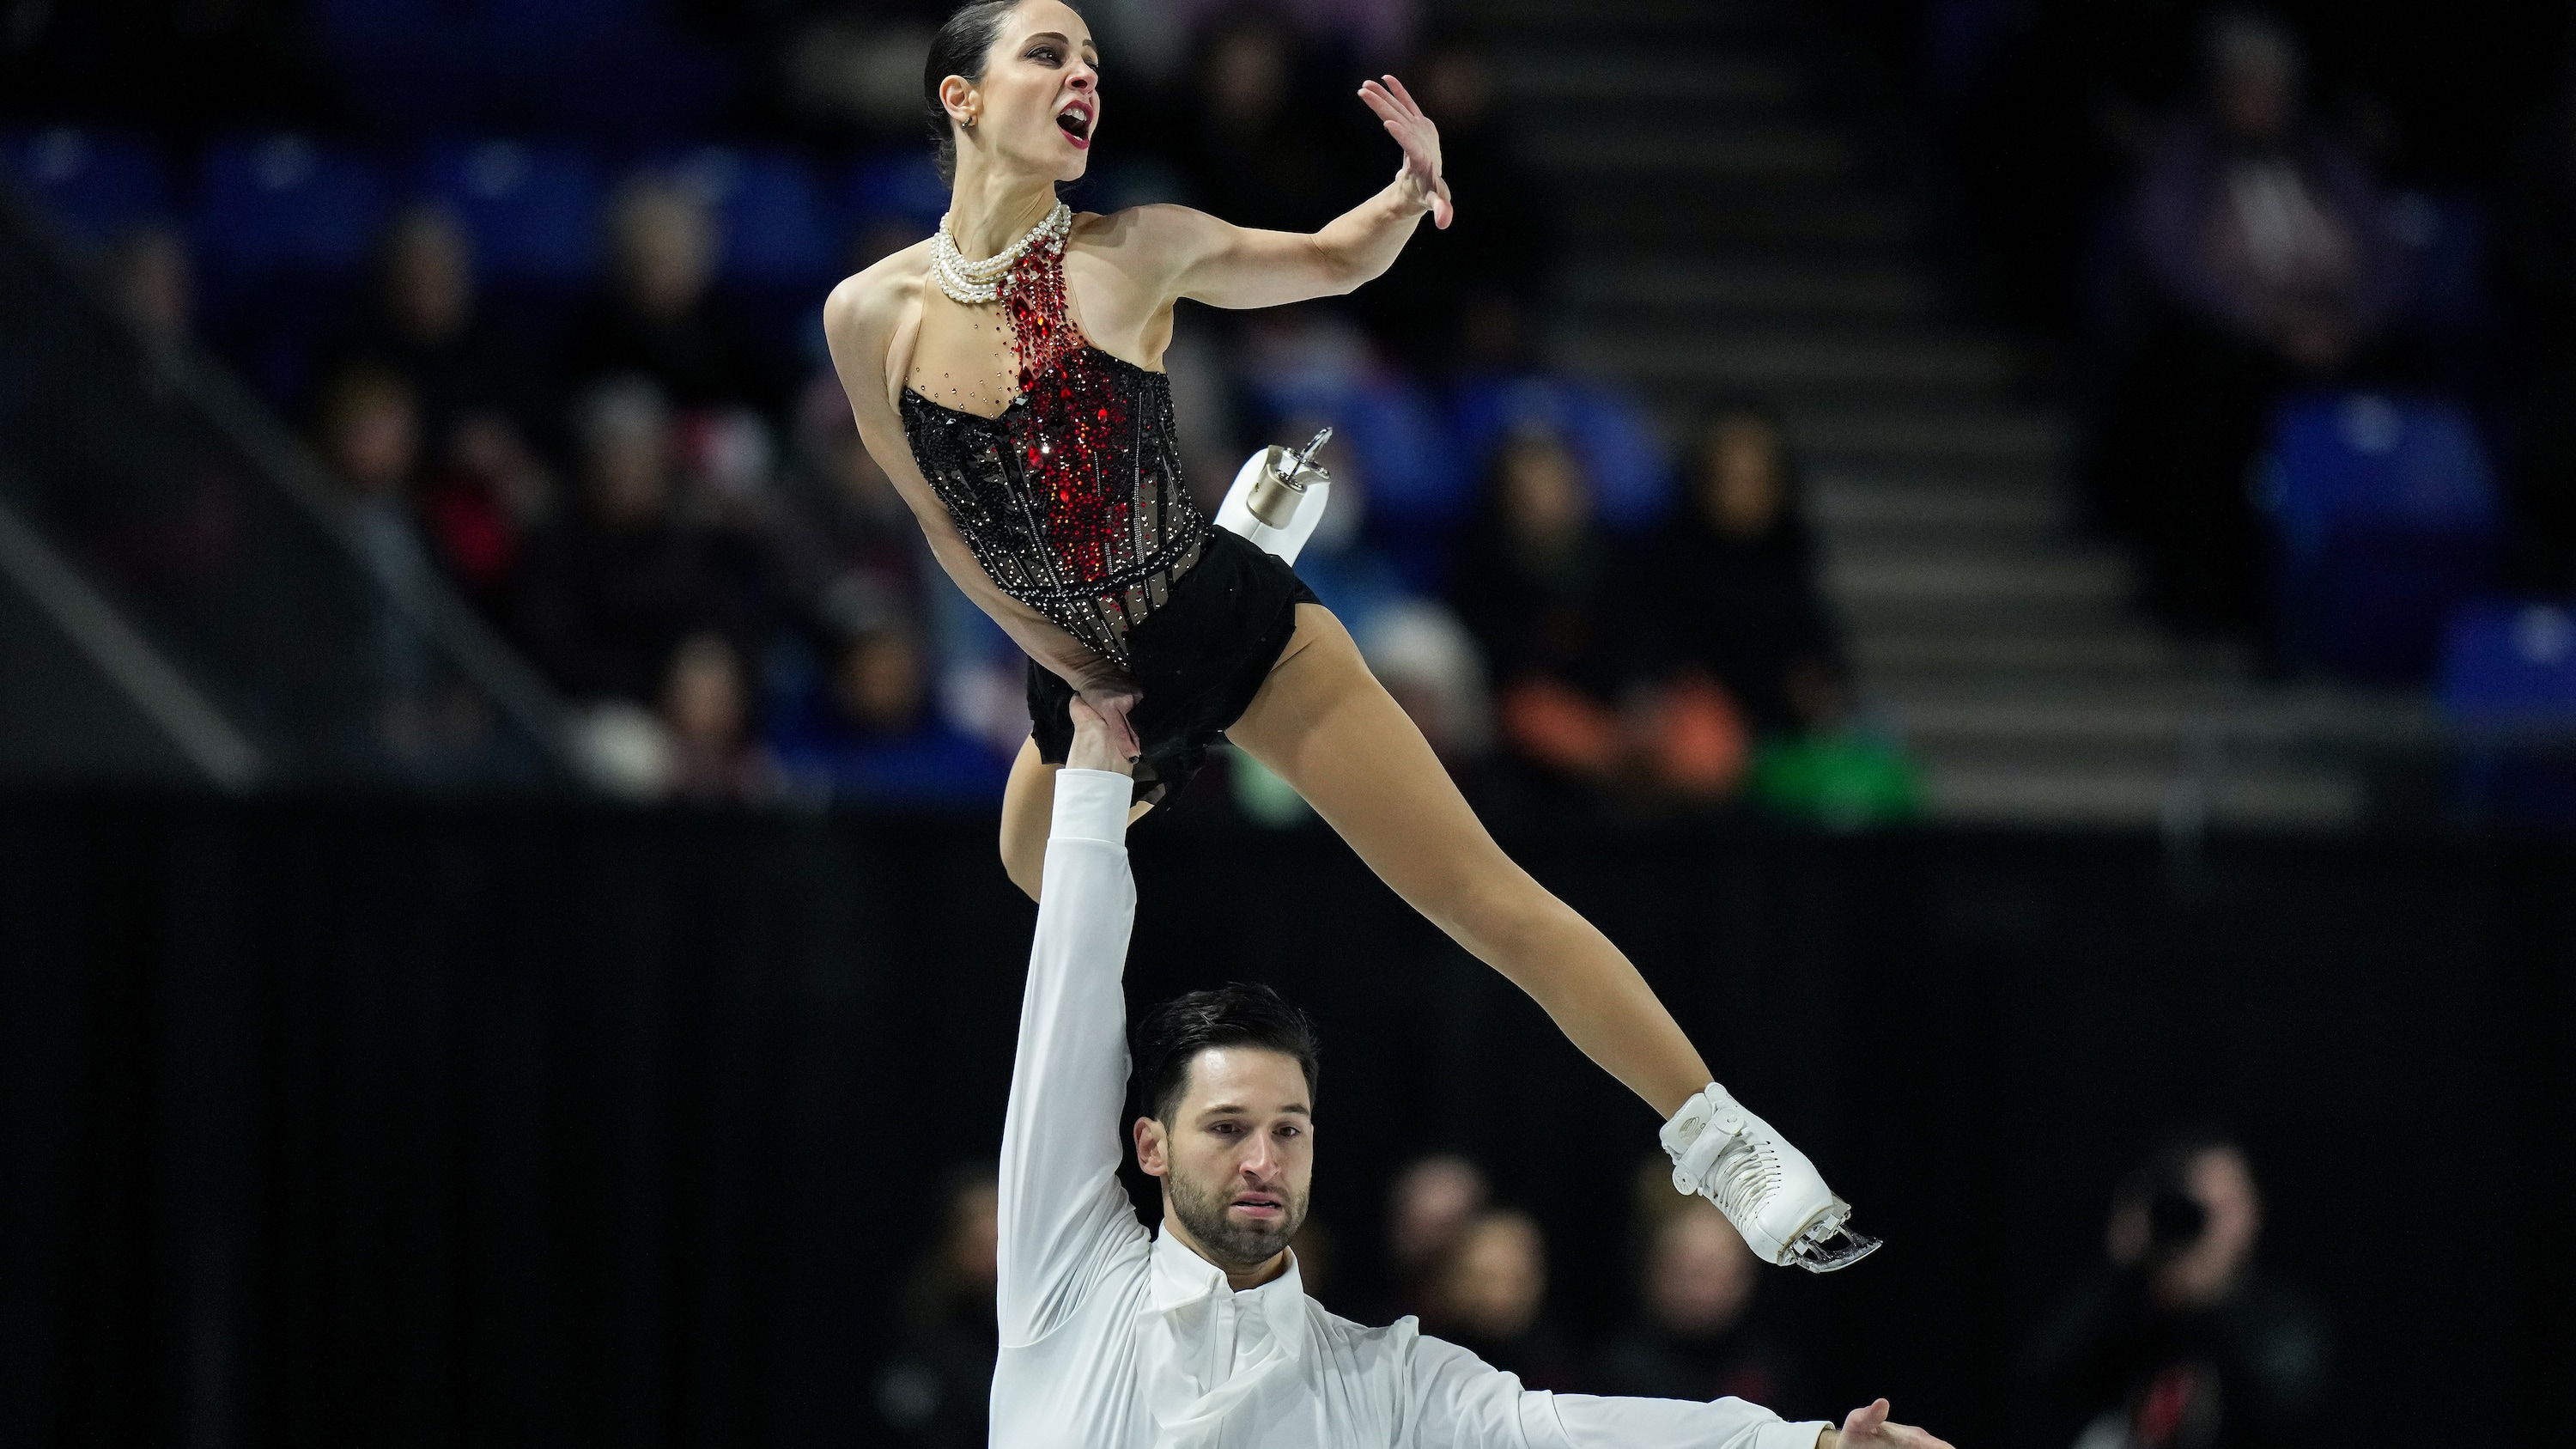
(973, 284)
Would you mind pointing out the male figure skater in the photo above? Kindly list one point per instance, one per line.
(1203, 1336)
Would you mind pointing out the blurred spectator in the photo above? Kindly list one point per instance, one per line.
(866, 731)
(1538, 583)
(1731, 579)
(659, 317)
(480, 508)
(2268, 247)
(2181, 1340)
(370, 434)
(1353, 579)
(2537, 272)
(1319, 1259)
(1481, 269)
(1428, 661)
(1373, 33)
(852, 551)
(935, 1391)
(422, 319)
(153, 286)
(1433, 1199)
(1257, 152)
(1696, 1283)
(1489, 1296)
(613, 585)
(706, 707)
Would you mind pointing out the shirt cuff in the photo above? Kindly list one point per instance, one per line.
(1790, 1436)
(1092, 805)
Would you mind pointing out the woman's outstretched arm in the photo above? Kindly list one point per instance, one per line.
(1209, 260)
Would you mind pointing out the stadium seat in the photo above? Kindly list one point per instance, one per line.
(2385, 516)
(1604, 426)
(98, 184)
(2508, 690)
(285, 203)
(777, 232)
(2511, 665)
(897, 184)
(533, 211)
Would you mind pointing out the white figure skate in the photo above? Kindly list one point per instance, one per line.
(1766, 1187)
(1277, 499)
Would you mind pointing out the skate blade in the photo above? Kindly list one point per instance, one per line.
(1829, 1244)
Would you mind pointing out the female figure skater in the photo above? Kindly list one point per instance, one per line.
(1006, 374)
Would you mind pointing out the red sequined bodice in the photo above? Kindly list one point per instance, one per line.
(1071, 499)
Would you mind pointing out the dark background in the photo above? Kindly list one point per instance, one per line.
(346, 1123)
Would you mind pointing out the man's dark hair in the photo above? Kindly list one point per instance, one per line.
(1237, 1014)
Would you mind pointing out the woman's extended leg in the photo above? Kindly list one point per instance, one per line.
(1028, 812)
(1324, 724)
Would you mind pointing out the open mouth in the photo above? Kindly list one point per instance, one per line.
(1260, 1205)
(1075, 121)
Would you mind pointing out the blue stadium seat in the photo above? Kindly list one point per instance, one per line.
(2508, 689)
(2385, 516)
(98, 184)
(285, 203)
(898, 184)
(533, 211)
(2511, 665)
(777, 232)
(1604, 426)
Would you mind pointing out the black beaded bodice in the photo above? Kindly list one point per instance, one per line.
(1071, 499)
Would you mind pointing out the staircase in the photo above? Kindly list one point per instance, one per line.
(1724, 234)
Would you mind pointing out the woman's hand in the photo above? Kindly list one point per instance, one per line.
(1095, 745)
(1412, 130)
(1868, 1429)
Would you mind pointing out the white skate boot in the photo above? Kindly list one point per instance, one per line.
(1766, 1187)
(1277, 499)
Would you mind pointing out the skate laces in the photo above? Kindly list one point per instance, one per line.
(1715, 1154)
(1727, 1155)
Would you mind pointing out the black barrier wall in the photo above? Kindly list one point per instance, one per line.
(392, 1125)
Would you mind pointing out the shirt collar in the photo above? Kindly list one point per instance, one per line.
(1182, 1278)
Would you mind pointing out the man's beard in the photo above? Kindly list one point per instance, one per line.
(1232, 1245)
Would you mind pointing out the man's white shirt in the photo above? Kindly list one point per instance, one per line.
(1116, 1338)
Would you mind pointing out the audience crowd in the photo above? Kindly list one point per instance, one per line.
(2206, 212)
(637, 464)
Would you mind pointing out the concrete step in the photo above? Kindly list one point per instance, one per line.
(1629, 214)
(2032, 582)
(1878, 365)
(1849, 504)
(1916, 661)
(1693, 153)
(1597, 80)
(1958, 440)
(1721, 290)
(2096, 797)
(2230, 716)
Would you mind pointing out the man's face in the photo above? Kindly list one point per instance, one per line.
(1237, 1158)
